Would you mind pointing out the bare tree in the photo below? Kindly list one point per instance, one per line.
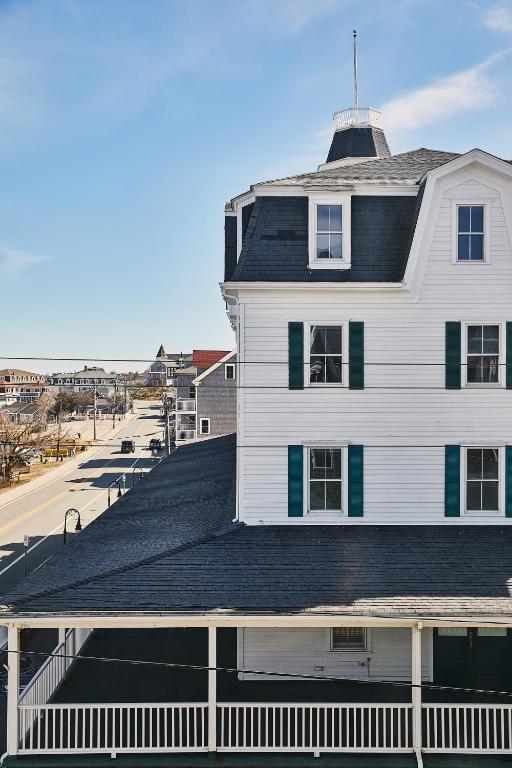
(16, 438)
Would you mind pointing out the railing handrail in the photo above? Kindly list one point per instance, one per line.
(357, 116)
(348, 704)
(136, 705)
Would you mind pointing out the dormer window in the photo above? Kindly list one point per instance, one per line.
(471, 236)
(329, 232)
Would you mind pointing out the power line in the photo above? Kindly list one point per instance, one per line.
(266, 673)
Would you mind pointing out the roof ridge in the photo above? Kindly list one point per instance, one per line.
(224, 531)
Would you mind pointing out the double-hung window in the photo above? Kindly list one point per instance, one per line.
(349, 639)
(325, 480)
(329, 232)
(483, 354)
(230, 371)
(470, 233)
(204, 426)
(482, 480)
(326, 354)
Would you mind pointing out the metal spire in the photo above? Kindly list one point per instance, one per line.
(356, 95)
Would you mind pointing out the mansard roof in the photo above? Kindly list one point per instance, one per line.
(172, 546)
(275, 248)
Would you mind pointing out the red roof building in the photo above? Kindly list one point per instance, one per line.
(204, 358)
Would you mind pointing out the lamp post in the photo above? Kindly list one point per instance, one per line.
(141, 474)
(119, 491)
(78, 527)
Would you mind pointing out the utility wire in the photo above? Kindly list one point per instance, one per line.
(291, 675)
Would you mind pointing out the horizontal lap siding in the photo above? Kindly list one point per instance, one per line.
(404, 401)
(299, 651)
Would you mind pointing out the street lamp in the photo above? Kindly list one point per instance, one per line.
(78, 526)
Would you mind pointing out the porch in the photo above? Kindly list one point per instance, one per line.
(151, 708)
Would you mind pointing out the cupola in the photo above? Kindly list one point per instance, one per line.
(357, 130)
(358, 133)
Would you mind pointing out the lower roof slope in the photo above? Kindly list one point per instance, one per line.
(170, 546)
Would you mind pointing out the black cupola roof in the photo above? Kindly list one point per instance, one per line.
(358, 133)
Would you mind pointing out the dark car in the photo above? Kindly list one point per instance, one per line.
(155, 444)
(128, 446)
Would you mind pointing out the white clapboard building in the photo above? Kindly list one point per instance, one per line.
(334, 578)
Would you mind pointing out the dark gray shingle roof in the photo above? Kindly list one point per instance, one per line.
(407, 166)
(275, 247)
(171, 545)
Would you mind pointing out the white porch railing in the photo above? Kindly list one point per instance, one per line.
(315, 727)
(49, 676)
(87, 728)
(357, 116)
(468, 728)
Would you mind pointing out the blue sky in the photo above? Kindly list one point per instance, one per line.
(125, 125)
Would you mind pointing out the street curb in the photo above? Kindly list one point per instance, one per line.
(35, 485)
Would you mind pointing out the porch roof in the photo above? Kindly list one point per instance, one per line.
(171, 546)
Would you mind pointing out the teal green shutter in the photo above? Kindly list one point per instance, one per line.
(355, 481)
(452, 355)
(508, 352)
(296, 355)
(356, 355)
(452, 481)
(508, 481)
(295, 480)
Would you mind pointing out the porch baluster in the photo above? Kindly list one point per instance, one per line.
(212, 689)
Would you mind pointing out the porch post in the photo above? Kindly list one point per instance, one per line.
(212, 689)
(13, 686)
(416, 689)
(62, 635)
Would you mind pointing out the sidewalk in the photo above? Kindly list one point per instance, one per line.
(104, 433)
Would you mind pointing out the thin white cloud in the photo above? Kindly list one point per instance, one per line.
(13, 261)
(499, 18)
(470, 90)
(292, 16)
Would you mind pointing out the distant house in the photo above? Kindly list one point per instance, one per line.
(215, 398)
(85, 381)
(162, 372)
(22, 413)
(21, 386)
(186, 413)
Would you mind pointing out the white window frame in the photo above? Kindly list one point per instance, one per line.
(344, 353)
(329, 199)
(232, 367)
(455, 231)
(501, 481)
(203, 418)
(367, 643)
(502, 355)
(328, 513)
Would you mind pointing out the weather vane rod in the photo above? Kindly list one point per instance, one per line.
(356, 95)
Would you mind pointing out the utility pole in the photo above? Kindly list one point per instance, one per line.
(125, 397)
(166, 416)
(114, 406)
(94, 414)
(58, 430)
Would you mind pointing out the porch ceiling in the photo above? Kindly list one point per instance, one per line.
(170, 546)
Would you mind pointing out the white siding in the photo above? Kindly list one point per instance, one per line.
(307, 652)
(404, 416)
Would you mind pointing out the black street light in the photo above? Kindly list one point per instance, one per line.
(78, 527)
(119, 491)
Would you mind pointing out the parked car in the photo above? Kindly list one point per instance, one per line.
(127, 446)
(155, 444)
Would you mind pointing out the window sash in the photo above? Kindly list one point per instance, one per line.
(469, 239)
(325, 367)
(329, 240)
(349, 639)
(482, 366)
(482, 492)
(325, 494)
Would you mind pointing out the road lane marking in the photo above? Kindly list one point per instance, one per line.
(58, 527)
(33, 511)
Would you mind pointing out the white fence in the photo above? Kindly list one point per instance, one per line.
(467, 728)
(49, 676)
(315, 727)
(87, 728)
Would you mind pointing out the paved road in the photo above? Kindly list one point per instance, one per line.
(40, 513)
